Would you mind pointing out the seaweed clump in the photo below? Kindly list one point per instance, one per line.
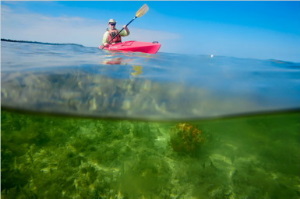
(186, 139)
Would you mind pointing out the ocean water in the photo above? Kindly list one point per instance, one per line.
(79, 122)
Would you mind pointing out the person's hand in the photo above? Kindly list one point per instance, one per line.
(125, 26)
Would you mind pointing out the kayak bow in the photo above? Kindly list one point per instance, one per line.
(134, 46)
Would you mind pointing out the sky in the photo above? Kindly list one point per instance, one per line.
(244, 29)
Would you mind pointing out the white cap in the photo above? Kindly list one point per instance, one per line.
(112, 21)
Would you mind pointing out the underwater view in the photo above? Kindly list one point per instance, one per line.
(79, 122)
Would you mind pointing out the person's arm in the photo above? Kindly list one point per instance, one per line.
(104, 39)
(125, 32)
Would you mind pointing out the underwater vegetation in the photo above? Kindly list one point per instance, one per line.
(46, 156)
(185, 138)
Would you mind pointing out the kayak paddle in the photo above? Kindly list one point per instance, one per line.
(141, 12)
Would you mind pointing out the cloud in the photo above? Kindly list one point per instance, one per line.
(36, 27)
(66, 29)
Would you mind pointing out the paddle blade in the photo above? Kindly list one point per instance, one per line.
(143, 10)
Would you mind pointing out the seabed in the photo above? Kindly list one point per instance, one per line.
(46, 156)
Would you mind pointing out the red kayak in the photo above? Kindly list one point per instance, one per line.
(135, 46)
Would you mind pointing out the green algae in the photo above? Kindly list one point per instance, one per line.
(62, 157)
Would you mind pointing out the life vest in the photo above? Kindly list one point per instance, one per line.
(112, 34)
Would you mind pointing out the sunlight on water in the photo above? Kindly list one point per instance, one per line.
(79, 122)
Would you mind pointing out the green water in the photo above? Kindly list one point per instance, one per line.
(236, 158)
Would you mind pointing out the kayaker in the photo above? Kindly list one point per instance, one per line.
(111, 31)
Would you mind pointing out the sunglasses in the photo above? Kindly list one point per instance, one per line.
(113, 24)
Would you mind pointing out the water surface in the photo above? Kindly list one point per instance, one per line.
(77, 80)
